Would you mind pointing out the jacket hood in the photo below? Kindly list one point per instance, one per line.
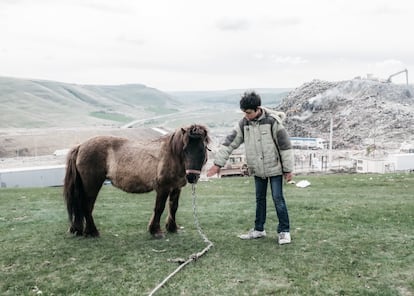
(278, 115)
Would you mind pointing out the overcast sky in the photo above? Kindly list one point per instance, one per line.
(205, 45)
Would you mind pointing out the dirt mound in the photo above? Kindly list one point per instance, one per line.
(363, 112)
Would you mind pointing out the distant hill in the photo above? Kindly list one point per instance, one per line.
(219, 110)
(40, 103)
(270, 96)
(31, 103)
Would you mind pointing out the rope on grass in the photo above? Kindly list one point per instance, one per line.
(194, 256)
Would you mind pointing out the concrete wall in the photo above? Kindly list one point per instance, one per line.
(32, 177)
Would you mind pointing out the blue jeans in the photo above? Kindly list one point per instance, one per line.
(276, 185)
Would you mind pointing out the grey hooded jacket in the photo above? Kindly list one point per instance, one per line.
(267, 144)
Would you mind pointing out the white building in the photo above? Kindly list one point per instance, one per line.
(308, 143)
(394, 163)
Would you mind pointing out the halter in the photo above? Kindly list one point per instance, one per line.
(191, 171)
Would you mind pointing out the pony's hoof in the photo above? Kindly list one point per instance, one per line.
(75, 231)
(158, 235)
(172, 228)
(93, 233)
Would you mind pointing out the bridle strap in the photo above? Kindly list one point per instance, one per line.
(191, 171)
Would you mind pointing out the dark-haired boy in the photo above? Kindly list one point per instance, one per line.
(269, 158)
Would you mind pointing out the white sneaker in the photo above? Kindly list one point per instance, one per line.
(284, 238)
(253, 234)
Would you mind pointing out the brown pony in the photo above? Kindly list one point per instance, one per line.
(164, 165)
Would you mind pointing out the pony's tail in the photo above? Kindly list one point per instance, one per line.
(72, 187)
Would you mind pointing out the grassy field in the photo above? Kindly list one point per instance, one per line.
(352, 235)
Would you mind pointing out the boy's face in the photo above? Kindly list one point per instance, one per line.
(251, 114)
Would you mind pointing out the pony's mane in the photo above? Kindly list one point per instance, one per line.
(181, 136)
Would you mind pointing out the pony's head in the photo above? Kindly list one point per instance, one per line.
(194, 149)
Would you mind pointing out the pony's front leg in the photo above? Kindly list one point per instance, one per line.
(171, 225)
(154, 224)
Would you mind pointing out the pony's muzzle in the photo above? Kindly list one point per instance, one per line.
(192, 175)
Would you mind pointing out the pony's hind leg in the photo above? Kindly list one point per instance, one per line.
(88, 205)
(76, 226)
(171, 224)
(77, 217)
(90, 227)
(82, 222)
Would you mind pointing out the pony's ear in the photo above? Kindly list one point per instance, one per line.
(207, 139)
(184, 139)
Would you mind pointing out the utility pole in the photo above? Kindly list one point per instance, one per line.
(330, 142)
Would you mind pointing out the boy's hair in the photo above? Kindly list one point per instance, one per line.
(250, 100)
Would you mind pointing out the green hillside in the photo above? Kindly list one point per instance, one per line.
(39, 103)
(29, 103)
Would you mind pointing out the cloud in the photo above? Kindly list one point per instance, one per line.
(130, 39)
(120, 6)
(289, 60)
(233, 24)
(389, 63)
(285, 21)
(279, 59)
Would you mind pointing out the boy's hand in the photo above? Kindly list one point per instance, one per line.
(215, 169)
(288, 176)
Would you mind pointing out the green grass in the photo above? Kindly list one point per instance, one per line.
(111, 116)
(352, 235)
